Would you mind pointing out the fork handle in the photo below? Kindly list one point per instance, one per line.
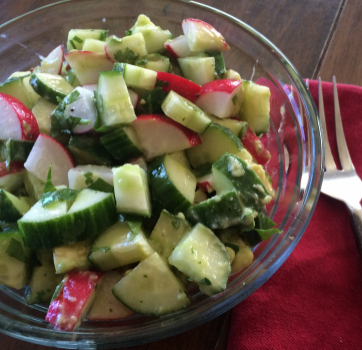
(356, 213)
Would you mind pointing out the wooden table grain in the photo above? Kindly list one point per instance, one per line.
(321, 38)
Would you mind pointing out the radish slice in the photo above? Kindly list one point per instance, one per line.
(46, 151)
(159, 134)
(16, 120)
(83, 107)
(206, 183)
(11, 179)
(201, 36)
(178, 47)
(219, 97)
(182, 86)
(52, 64)
(255, 147)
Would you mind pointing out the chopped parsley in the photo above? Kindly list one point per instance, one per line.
(77, 39)
(206, 282)
(88, 178)
(161, 83)
(126, 56)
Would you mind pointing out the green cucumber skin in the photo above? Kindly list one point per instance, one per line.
(120, 146)
(14, 150)
(163, 190)
(67, 229)
(245, 184)
(88, 150)
(217, 212)
(8, 211)
(44, 91)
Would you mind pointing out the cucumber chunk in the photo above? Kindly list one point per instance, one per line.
(155, 37)
(172, 184)
(237, 127)
(113, 100)
(15, 87)
(131, 190)
(122, 144)
(155, 62)
(137, 77)
(76, 37)
(200, 70)
(50, 86)
(85, 175)
(167, 233)
(201, 256)
(93, 45)
(15, 150)
(119, 246)
(231, 172)
(42, 111)
(218, 212)
(185, 112)
(151, 289)
(11, 207)
(216, 140)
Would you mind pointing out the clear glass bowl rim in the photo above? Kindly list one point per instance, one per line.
(216, 306)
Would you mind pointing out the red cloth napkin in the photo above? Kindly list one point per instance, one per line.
(314, 301)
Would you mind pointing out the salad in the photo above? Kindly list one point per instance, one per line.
(132, 173)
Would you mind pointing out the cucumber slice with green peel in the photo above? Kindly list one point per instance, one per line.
(42, 284)
(11, 207)
(72, 257)
(113, 100)
(200, 70)
(216, 141)
(93, 45)
(131, 190)
(49, 86)
(220, 69)
(105, 306)
(218, 212)
(151, 289)
(185, 112)
(88, 150)
(230, 172)
(15, 87)
(119, 246)
(180, 156)
(256, 107)
(154, 37)
(84, 176)
(236, 126)
(33, 186)
(11, 176)
(42, 111)
(14, 259)
(122, 144)
(76, 37)
(172, 184)
(91, 213)
(15, 150)
(201, 256)
(167, 233)
(155, 62)
(137, 77)
(127, 50)
(71, 78)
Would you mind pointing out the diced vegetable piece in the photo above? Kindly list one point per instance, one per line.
(180, 156)
(15, 150)
(231, 74)
(178, 47)
(83, 176)
(256, 148)
(113, 100)
(231, 172)
(42, 111)
(76, 37)
(105, 306)
(11, 177)
(167, 233)
(172, 184)
(206, 182)
(93, 45)
(216, 140)
(200, 70)
(237, 126)
(72, 257)
(33, 186)
(51, 64)
(11, 207)
(131, 190)
(151, 289)
(72, 299)
(87, 65)
(155, 62)
(201, 256)
(256, 107)
(175, 137)
(137, 77)
(120, 245)
(155, 37)
(15, 87)
(185, 112)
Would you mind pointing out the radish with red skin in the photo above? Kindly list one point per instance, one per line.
(159, 134)
(51, 64)
(255, 147)
(201, 36)
(46, 151)
(16, 120)
(178, 47)
(75, 296)
(11, 175)
(184, 87)
(219, 97)
(87, 65)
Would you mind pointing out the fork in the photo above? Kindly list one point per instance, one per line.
(343, 185)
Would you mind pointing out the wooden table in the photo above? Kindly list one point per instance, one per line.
(321, 37)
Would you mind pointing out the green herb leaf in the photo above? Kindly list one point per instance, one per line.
(60, 100)
(119, 67)
(192, 250)
(220, 68)
(126, 56)
(142, 62)
(154, 99)
(49, 187)
(16, 251)
(206, 282)
(128, 32)
(161, 83)
(63, 195)
(77, 39)
(72, 44)
(101, 185)
(88, 178)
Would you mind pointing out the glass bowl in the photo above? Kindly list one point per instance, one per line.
(294, 140)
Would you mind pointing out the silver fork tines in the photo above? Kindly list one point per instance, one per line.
(344, 185)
